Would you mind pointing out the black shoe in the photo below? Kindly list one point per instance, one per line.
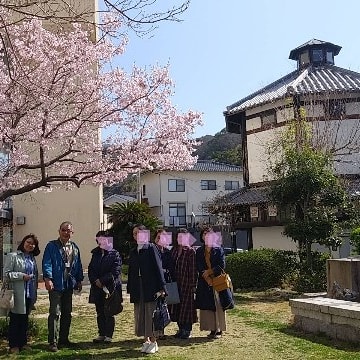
(66, 344)
(53, 348)
(178, 334)
(185, 335)
(211, 335)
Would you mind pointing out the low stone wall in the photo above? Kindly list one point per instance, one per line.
(339, 319)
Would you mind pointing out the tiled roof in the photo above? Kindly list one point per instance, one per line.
(260, 195)
(249, 196)
(311, 80)
(209, 165)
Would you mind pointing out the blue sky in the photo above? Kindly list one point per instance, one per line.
(224, 50)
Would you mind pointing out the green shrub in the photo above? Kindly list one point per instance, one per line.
(312, 279)
(261, 269)
(355, 240)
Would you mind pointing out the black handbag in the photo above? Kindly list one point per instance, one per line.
(161, 316)
(113, 303)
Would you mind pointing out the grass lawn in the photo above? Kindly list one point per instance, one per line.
(258, 328)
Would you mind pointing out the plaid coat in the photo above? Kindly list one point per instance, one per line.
(186, 276)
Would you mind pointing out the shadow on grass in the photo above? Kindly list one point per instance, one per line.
(124, 349)
(263, 297)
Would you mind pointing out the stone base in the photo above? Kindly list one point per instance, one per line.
(339, 319)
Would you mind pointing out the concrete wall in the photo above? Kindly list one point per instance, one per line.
(44, 211)
(271, 237)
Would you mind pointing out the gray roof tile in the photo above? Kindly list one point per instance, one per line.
(311, 80)
(249, 196)
(210, 165)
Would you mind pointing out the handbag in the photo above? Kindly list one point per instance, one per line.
(226, 298)
(172, 290)
(221, 282)
(161, 316)
(6, 297)
(113, 303)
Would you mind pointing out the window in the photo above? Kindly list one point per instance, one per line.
(330, 57)
(231, 185)
(268, 118)
(317, 55)
(143, 190)
(335, 108)
(208, 184)
(177, 214)
(176, 185)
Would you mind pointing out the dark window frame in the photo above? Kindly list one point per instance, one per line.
(208, 184)
(268, 119)
(179, 185)
(232, 182)
(179, 215)
(335, 108)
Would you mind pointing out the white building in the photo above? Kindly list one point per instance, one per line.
(180, 198)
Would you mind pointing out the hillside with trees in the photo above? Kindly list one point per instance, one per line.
(222, 147)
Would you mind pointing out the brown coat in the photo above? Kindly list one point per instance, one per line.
(186, 277)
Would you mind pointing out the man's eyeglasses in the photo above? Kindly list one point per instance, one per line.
(66, 230)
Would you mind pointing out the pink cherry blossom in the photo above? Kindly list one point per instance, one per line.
(58, 91)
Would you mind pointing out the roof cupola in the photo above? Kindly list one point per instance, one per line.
(314, 52)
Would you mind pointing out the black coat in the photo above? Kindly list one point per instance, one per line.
(145, 269)
(204, 292)
(168, 264)
(106, 268)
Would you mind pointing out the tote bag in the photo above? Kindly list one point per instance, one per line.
(173, 296)
(161, 316)
(6, 297)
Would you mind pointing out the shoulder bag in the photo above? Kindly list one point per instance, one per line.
(221, 282)
(6, 296)
(172, 291)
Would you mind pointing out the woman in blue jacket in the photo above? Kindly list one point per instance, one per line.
(104, 275)
(20, 271)
(210, 261)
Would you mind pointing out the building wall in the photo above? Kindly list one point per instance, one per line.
(258, 154)
(272, 238)
(45, 211)
(159, 197)
(329, 134)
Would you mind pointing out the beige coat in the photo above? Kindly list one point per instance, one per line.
(14, 270)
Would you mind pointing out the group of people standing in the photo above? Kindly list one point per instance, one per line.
(151, 266)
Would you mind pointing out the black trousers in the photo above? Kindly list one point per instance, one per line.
(18, 327)
(106, 324)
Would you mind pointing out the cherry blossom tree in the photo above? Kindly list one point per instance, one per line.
(58, 90)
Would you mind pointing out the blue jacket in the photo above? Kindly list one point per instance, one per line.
(53, 266)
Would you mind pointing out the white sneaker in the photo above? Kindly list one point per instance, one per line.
(152, 348)
(107, 339)
(145, 346)
(99, 339)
